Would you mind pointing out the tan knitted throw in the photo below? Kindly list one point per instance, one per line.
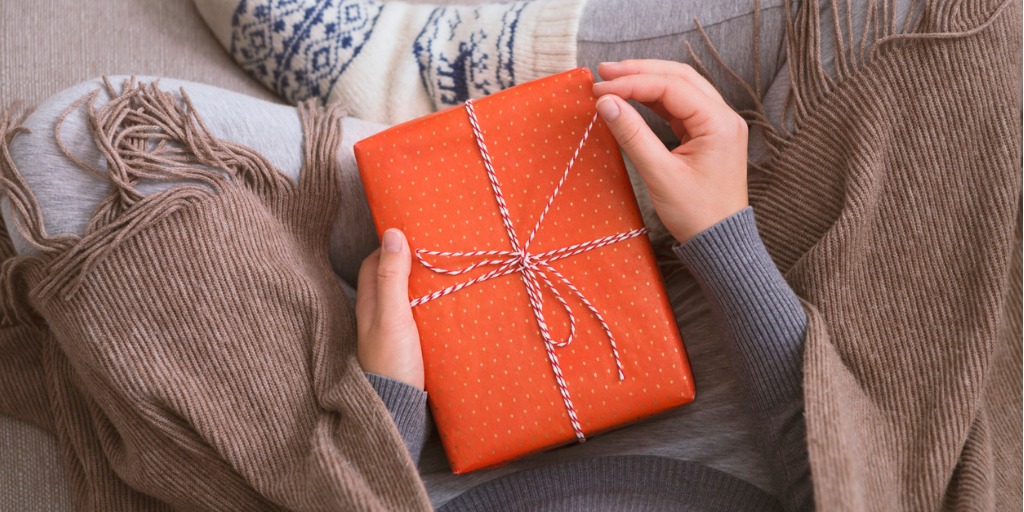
(192, 350)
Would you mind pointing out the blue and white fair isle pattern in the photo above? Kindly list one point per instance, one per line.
(467, 53)
(299, 48)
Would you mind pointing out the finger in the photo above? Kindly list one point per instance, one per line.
(654, 107)
(632, 133)
(366, 288)
(613, 70)
(674, 123)
(680, 99)
(393, 275)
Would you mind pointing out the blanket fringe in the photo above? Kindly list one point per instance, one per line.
(27, 219)
(810, 82)
(145, 135)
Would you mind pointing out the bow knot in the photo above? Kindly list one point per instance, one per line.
(525, 260)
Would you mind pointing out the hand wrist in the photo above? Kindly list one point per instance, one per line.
(407, 407)
(689, 230)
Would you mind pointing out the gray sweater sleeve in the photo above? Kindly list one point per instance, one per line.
(765, 328)
(408, 408)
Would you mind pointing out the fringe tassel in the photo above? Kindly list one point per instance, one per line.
(144, 135)
(26, 215)
(810, 82)
(322, 129)
(14, 306)
(758, 116)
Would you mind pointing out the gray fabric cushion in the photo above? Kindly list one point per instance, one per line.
(49, 45)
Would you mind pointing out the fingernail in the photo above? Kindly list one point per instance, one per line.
(607, 63)
(607, 108)
(392, 241)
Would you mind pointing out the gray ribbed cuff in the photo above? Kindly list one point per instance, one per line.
(765, 322)
(408, 408)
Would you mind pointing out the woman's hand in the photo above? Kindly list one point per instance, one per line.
(702, 181)
(389, 344)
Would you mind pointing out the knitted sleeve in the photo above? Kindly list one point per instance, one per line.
(765, 329)
(408, 408)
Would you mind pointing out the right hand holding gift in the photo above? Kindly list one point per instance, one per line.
(704, 179)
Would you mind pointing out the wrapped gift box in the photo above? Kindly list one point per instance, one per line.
(500, 386)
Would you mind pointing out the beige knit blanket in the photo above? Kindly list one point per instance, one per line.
(193, 351)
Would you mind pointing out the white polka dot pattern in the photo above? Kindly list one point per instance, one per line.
(492, 372)
(534, 268)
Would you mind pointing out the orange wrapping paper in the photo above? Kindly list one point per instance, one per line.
(490, 384)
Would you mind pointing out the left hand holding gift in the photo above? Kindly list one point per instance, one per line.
(704, 179)
(389, 343)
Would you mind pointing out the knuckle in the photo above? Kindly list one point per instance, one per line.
(388, 326)
(729, 124)
(388, 273)
(720, 126)
(742, 131)
(741, 127)
(631, 136)
(687, 70)
(674, 81)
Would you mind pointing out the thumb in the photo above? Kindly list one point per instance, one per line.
(393, 273)
(636, 138)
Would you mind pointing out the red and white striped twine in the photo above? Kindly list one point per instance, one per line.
(536, 269)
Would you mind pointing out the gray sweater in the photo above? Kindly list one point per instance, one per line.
(765, 327)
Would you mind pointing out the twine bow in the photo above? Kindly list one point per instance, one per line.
(535, 268)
